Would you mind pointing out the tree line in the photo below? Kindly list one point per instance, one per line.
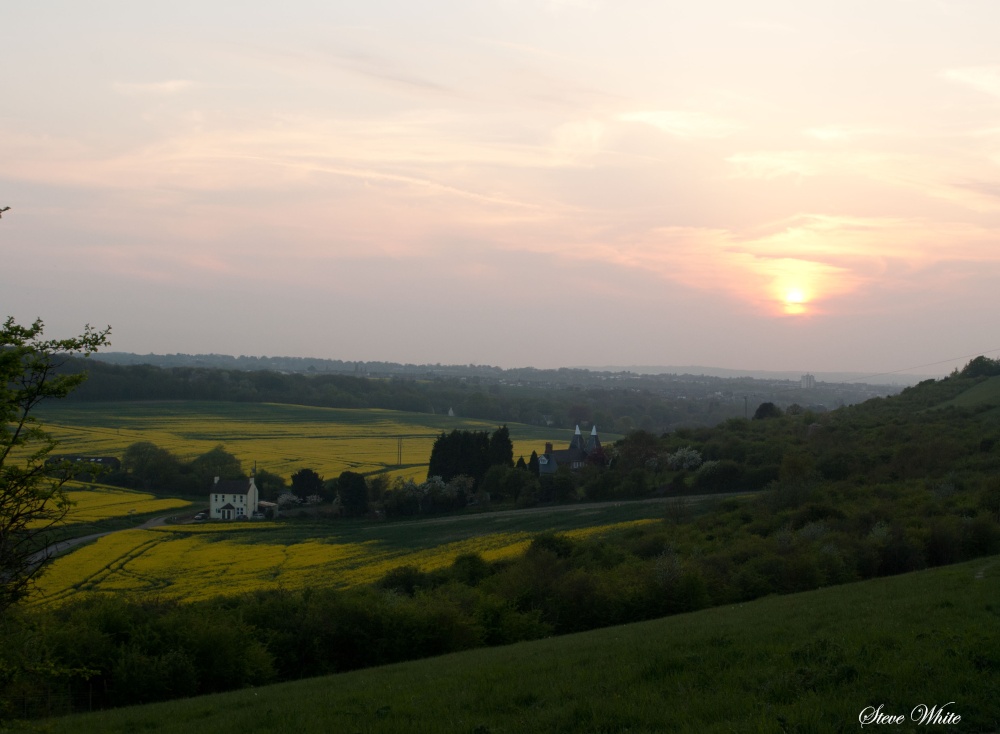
(155, 469)
(645, 403)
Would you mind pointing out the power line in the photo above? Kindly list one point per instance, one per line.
(773, 391)
(921, 366)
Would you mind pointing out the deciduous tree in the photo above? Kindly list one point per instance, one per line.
(353, 493)
(306, 482)
(152, 468)
(32, 500)
(767, 410)
(216, 463)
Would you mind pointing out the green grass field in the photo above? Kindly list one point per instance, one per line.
(197, 561)
(279, 438)
(809, 662)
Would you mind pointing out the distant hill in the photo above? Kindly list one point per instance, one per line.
(898, 378)
(312, 365)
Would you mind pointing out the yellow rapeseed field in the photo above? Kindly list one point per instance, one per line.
(92, 503)
(191, 562)
(279, 438)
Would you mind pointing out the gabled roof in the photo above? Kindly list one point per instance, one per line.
(227, 506)
(578, 452)
(232, 486)
(565, 456)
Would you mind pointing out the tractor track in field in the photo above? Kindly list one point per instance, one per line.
(685, 500)
(62, 546)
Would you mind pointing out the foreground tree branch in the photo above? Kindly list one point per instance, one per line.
(32, 500)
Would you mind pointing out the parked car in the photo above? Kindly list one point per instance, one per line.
(257, 515)
(200, 516)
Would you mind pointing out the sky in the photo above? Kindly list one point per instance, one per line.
(783, 184)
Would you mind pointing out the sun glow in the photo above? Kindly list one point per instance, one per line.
(795, 284)
(795, 301)
(795, 295)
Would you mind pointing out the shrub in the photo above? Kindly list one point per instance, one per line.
(718, 476)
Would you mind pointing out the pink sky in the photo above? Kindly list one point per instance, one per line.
(767, 185)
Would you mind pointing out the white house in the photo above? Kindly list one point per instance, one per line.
(233, 499)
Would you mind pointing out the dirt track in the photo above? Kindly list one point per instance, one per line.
(64, 545)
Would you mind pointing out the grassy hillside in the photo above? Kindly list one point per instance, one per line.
(984, 393)
(808, 662)
(279, 438)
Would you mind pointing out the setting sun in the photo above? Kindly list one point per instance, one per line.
(795, 301)
(795, 295)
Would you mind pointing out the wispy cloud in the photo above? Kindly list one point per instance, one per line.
(561, 5)
(839, 133)
(823, 257)
(772, 164)
(172, 86)
(981, 78)
(578, 139)
(384, 70)
(767, 26)
(684, 123)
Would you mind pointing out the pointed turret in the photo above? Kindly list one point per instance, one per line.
(595, 441)
(577, 442)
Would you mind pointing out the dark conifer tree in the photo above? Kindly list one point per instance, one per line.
(471, 453)
(533, 463)
(501, 448)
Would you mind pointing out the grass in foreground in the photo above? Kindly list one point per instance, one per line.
(807, 662)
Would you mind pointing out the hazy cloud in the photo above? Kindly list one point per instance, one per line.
(769, 165)
(172, 86)
(684, 123)
(981, 78)
(838, 133)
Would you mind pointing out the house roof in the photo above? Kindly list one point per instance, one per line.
(227, 506)
(232, 486)
(566, 456)
(578, 451)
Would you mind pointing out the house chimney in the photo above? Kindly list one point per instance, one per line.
(548, 447)
(216, 480)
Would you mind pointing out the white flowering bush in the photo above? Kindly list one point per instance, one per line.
(685, 458)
